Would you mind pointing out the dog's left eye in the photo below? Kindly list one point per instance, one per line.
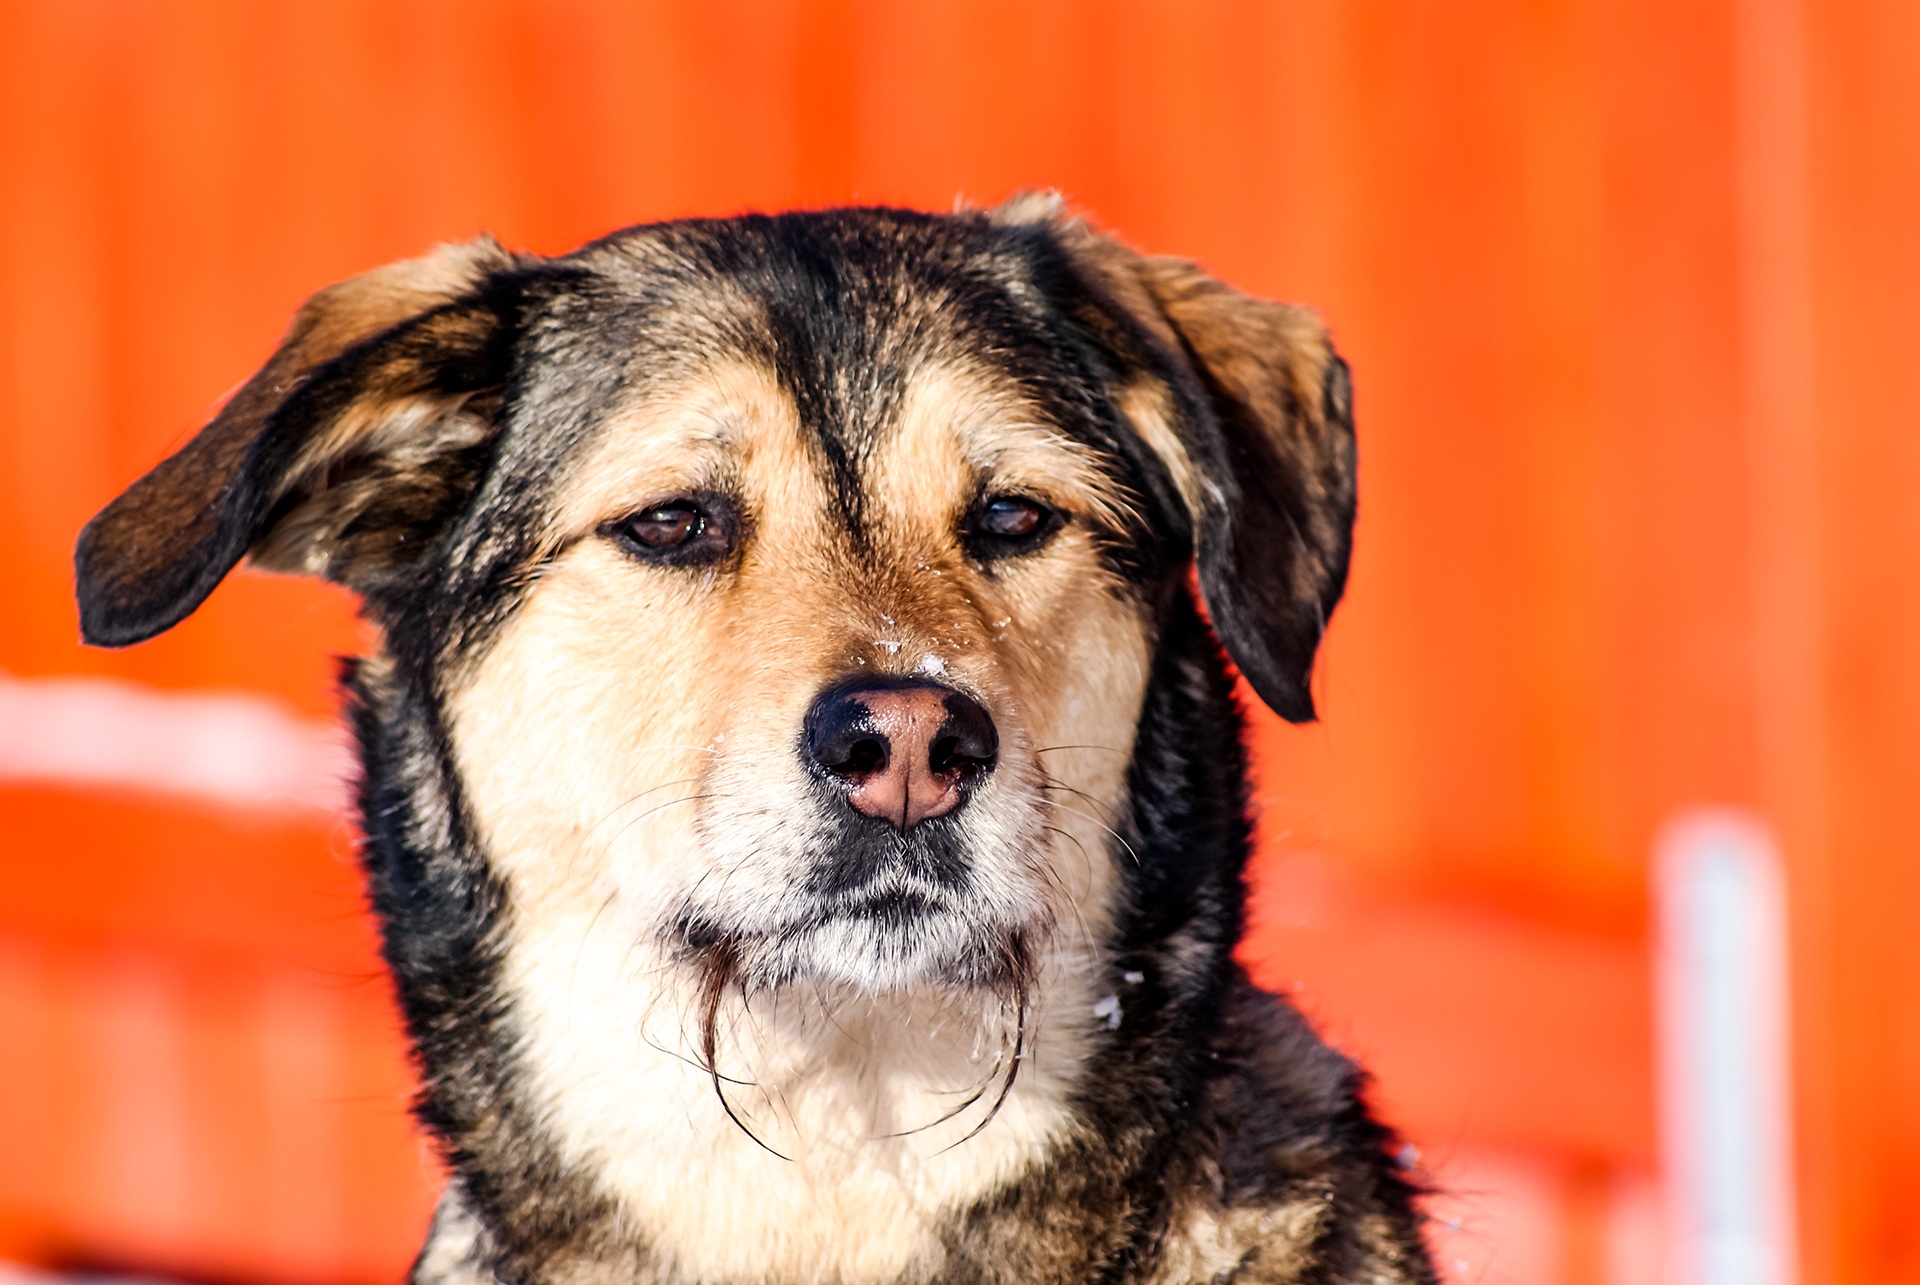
(676, 531)
(1005, 525)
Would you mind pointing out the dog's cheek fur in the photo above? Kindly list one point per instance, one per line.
(443, 915)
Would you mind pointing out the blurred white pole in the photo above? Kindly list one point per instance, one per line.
(1726, 1121)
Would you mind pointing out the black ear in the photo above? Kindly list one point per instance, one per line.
(1251, 411)
(337, 459)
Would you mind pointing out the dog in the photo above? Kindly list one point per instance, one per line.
(803, 787)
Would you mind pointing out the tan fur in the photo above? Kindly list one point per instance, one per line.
(1271, 359)
(1148, 407)
(340, 316)
(630, 725)
(1260, 1245)
(408, 433)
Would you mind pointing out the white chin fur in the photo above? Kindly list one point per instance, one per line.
(936, 951)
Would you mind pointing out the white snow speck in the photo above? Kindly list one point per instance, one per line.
(1132, 978)
(932, 666)
(1108, 1009)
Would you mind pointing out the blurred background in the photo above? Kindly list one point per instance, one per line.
(1628, 289)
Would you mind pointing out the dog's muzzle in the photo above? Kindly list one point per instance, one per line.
(895, 871)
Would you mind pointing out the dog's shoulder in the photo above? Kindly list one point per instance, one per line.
(1297, 1181)
(1279, 1098)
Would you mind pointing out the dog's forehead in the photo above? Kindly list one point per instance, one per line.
(836, 302)
(854, 347)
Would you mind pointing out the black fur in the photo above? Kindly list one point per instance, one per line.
(1207, 1091)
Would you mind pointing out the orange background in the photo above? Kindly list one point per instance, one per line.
(1629, 292)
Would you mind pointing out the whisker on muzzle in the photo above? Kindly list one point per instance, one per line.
(623, 806)
(1041, 868)
(1051, 784)
(720, 967)
(1020, 986)
(690, 798)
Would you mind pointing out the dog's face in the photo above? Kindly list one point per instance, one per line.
(822, 691)
(791, 583)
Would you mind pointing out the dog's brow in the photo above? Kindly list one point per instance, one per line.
(686, 434)
(1001, 438)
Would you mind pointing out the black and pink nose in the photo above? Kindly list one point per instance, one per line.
(905, 750)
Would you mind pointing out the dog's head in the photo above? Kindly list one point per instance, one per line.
(784, 587)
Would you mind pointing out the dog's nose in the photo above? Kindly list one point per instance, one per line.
(907, 751)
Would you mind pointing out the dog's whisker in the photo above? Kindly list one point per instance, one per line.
(720, 969)
(829, 1011)
(630, 802)
(1023, 1007)
(587, 843)
(1118, 837)
(586, 939)
(974, 1093)
(695, 1063)
(1048, 781)
(1073, 903)
(671, 803)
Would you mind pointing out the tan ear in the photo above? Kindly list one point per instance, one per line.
(375, 370)
(1250, 410)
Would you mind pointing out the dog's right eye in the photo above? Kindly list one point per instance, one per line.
(1005, 526)
(679, 532)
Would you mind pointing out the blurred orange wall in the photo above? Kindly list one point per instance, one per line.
(1628, 289)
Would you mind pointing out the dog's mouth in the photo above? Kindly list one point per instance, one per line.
(889, 940)
(902, 924)
(898, 908)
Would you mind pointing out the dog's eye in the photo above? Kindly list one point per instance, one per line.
(677, 531)
(666, 527)
(1010, 518)
(1006, 525)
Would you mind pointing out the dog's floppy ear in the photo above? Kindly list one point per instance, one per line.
(1258, 438)
(339, 458)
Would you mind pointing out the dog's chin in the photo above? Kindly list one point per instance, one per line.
(889, 944)
(890, 950)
